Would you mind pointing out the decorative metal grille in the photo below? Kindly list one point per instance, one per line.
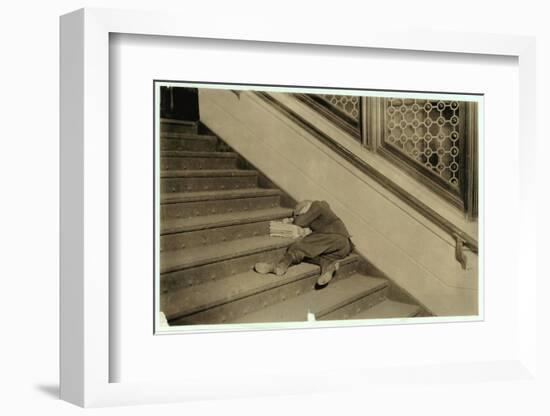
(426, 132)
(433, 140)
(349, 105)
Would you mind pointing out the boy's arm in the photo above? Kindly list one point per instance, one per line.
(304, 220)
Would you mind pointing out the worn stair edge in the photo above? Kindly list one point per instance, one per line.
(388, 309)
(198, 256)
(180, 135)
(207, 173)
(216, 271)
(223, 220)
(208, 295)
(194, 145)
(319, 302)
(205, 237)
(169, 198)
(176, 121)
(189, 209)
(198, 154)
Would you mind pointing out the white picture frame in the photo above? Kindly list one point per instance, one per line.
(85, 220)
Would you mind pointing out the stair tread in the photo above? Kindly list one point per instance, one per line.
(189, 300)
(319, 302)
(217, 195)
(179, 135)
(388, 309)
(196, 256)
(198, 154)
(223, 220)
(207, 173)
(176, 121)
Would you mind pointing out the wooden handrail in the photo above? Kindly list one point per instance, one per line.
(334, 115)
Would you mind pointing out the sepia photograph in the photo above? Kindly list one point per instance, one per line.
(283, 206)
(264, 209)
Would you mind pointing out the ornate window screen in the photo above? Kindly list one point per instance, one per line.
(346, 104)
(434, 140)
(343, 110)
(427, 133)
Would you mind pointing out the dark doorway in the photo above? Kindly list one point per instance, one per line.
(179, 103)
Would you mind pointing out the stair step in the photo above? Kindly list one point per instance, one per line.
(202, 222)
(231, 297)
(165, 120)
(205, 237)
(174, 135)
(321, 302)
(213, 229)
(207, 180)
(194, 204)
(184, 145)
(197, 256)
(186, 135)
(188, 142)
(178, 125)
(172, 164)
(182, 160)
(207, 173)
(184, 197)
(189, 154)
(388, 309)
(177, 279)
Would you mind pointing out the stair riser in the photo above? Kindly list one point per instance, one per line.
(212, 236)
(233, 310)
(197, 163)
(215, 271)
(353, 308)
(178, 128)
(198, 145)
(196, 184)
(221, 206)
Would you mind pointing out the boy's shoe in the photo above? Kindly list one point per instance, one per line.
(278, 268)
(264, 268)
(327, 276)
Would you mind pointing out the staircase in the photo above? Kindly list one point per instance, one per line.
(215, 213)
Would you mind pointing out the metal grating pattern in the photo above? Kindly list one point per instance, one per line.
(426, 132)
(349, 105)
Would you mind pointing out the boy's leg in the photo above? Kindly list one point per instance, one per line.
(330, 262)
(308, 246)
(280, 267)
(317, 244)
(313, 246)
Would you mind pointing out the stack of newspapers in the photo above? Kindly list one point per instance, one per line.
(282, 229)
